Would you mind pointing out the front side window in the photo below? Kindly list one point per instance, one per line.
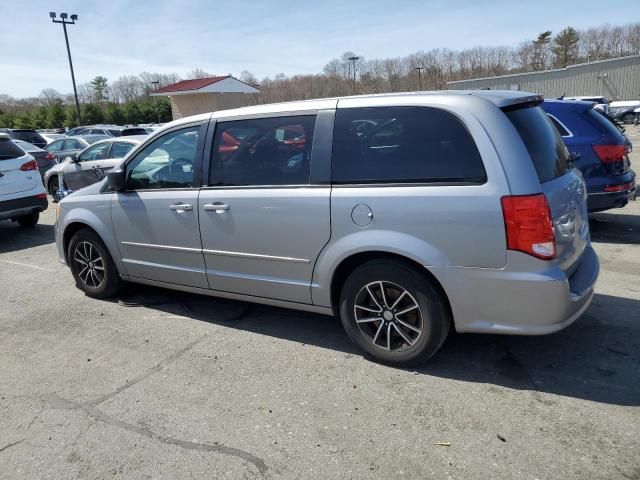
(167, 162)
(97, 152)
(55, 146)
(71, 145)
(262, 151)
(403, 145)
(120, 149)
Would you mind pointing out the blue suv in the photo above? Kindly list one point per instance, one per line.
(599, 149)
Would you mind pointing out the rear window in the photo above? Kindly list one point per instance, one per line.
(9, 150)
(403, 145)
(133, 131)
(604, 123)
(27, 136)
(548, 153)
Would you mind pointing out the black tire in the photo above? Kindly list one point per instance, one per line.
(628, 118)
(52, 186)
(432, 312)
(29, 221)
(84, 249)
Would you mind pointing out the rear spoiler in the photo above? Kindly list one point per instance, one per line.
(522, 102)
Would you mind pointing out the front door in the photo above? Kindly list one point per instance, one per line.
(156, 218)
(262, 223)
(85, 170)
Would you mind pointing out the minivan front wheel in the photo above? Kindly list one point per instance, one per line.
(394, 313)
(92, 266)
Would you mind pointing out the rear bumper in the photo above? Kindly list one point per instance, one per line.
(598, 201)
(518, 302)
(22, 206)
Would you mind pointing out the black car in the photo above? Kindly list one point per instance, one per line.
(67, 147)
(27, 135)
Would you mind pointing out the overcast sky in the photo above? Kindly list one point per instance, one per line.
(266, 37)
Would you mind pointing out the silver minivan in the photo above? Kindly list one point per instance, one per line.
(405, 214)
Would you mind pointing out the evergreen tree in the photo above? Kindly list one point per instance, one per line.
(92, 114)
(565, 47)
(55, 114)
(100, 88)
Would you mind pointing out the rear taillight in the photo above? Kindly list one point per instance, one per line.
(49, 156)
(610, 153)
(620, 188)
(41, 195)
(528, 225)
(32, 165)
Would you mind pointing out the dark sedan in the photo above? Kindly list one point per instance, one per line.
(45, 159)
(68, 147)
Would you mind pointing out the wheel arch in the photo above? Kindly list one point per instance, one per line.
(352, 262)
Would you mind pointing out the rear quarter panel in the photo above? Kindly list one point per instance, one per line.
(434, 225)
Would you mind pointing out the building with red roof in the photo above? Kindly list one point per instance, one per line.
(201, 95)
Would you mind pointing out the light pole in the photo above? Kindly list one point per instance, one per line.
(155, 89)
(419, 69)
(353, 60)
(63, 20)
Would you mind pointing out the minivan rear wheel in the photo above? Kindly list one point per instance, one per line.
(394, 313)
(92, 266)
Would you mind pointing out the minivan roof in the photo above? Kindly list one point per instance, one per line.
(500, 98)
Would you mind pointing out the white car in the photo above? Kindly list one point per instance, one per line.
(22, 194)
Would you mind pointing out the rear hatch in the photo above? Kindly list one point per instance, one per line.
(561, 184)
(612, 148)
(12, 178)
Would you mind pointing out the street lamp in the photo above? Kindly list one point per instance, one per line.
(353, 60)
(155, 89)
(419, 69)
(72, 20)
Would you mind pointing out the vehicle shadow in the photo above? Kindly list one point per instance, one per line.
(615, 228)
(14, 238)
(597, 358)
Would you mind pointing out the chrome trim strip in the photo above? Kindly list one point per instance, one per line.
(256, 256)
(163, 247)
(164, 266)
(258, 278)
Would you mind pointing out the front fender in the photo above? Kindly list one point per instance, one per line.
(397, 243)
(94, 211)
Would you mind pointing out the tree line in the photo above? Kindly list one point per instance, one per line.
(127, 100)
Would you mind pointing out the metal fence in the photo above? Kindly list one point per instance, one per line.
(616, 78)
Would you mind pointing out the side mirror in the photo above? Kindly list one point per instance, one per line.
(116, 179)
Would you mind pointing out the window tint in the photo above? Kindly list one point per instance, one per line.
(97, 131)
(561, 130)
(71, 145)
(97, 152)
(9, 150)
(28, 136)
(120, 149)
(547, 150)
(604, 123)
(168, 162)
(55, 146)
(403, 145)
(265, 151)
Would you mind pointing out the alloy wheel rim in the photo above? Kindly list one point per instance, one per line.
(89, 263)
(388, 316)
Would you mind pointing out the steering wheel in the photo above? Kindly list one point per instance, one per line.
(175, 167)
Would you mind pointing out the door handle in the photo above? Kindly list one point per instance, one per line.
(216, 207)
(185, 207)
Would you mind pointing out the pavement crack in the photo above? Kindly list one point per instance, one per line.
(152, 371)
(61, 403)
(90, 409)
(9, 445)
